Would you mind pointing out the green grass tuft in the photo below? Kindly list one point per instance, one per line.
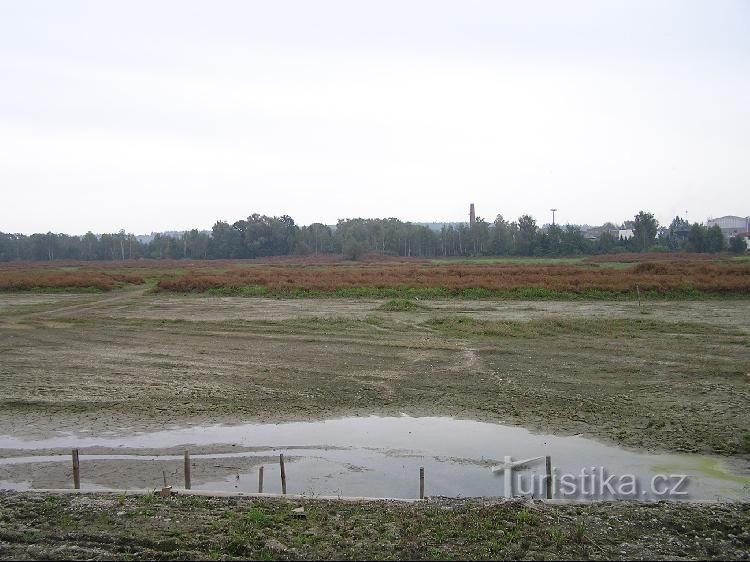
(402, 305)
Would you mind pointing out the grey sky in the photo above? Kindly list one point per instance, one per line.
(170, 115)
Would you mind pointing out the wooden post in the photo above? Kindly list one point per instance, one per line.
(76, 470)
(260, 480)
(638, 290)
(188, 480)
(283, 473)
(548, 463)
(421, 482)
(166, 491)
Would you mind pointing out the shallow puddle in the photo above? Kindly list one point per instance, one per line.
(374, 457)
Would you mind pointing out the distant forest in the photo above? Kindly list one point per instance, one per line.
(262, 236)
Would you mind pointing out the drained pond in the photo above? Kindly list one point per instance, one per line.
(371, 457)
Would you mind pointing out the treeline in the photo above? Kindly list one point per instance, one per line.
(261, 236)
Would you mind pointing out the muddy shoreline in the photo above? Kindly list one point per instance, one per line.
(110, 526)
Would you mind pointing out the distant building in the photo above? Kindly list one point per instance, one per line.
(730, 225)
(622, 233)
(472, 216)
(593, 232)
(745, 236)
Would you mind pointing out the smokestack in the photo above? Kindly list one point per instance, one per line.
(472, 217)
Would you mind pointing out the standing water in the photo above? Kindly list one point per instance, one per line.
(373, 457)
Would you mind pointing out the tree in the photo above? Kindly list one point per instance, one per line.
(226, 240)
(677, 233)
(573, 242)
(737, 245)
(715, 241)
(696, 240)
(527, 234)
(479, 236)
(353, 248)
(550, 241)
(606, 241)
(645, 227)
(501, 237)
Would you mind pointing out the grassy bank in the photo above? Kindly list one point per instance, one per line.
(37, 526)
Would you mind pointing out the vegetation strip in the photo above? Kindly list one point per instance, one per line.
(122, 527)
(668, 278)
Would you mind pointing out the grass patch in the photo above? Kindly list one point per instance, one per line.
(402, 305)
(463, 326)
(685, 292)
(453, 529)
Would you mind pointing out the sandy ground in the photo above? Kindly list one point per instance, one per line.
(127, 360)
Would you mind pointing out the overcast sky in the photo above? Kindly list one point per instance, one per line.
(155, 116)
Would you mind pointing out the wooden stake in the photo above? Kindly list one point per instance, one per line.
(548, 463)
(283, 474)
(76, 470)
(188, 480)
(166, 491)
(421, 482)
(260, 480)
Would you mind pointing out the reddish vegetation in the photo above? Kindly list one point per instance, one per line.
(29, 277)
(715, 275)
(662, 277)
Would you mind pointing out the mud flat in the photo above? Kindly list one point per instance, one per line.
(669, 377)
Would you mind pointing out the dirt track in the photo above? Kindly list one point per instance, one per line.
(129, 360)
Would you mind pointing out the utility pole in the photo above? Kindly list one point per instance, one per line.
(553, 216)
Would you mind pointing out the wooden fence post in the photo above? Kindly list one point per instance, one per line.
(283, 473)
(76, 470)
(260, 480)
(188, 480)
(421, 482)
(548, 463)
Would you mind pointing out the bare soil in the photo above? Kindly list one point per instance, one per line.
(665, 376)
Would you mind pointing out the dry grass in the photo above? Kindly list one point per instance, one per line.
(667, 276)
(28, 280)
(659, 277)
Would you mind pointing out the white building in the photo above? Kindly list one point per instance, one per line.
(730, 224)
(622, 234)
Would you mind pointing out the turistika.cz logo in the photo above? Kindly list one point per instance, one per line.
(594, 482)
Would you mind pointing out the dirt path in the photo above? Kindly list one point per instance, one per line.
(90, 303)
